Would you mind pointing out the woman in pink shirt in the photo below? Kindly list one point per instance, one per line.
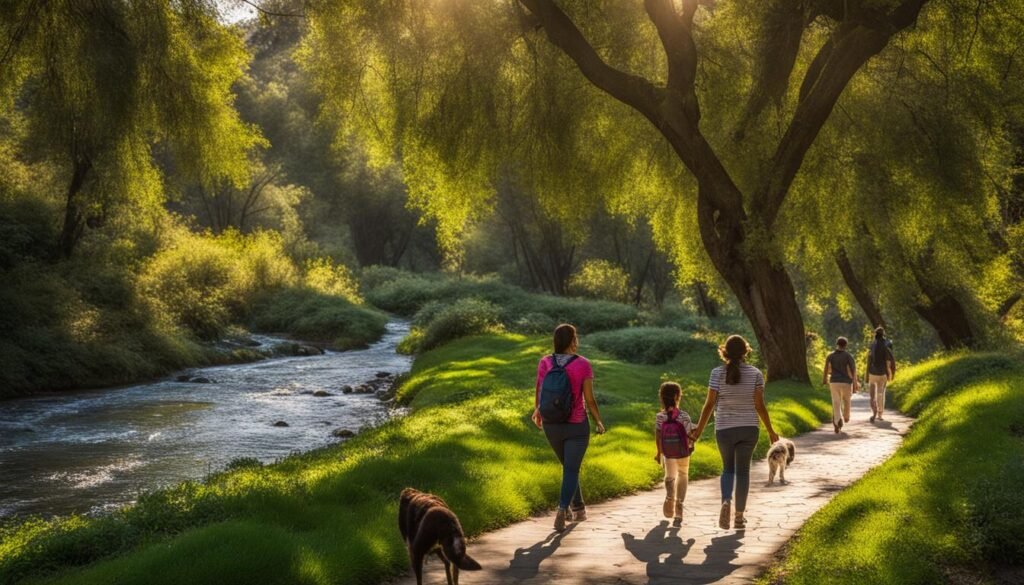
(569, 439)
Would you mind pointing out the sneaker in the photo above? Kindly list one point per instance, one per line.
(839, 426)
(740, 523)
(579, 514)
(835, 426)
(872, 419)
(880, 417)
(678, 520)
(723, 516)
(560, 518)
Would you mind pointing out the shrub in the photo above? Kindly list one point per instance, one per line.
(325, 277)
(406, 295)
(601, 279)
(310, 315)
(371, 277)
(642, 345)
(461, 318)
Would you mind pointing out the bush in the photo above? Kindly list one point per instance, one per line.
(519, 310)
(325, 277)
(308, 314)
(601, 279)
(461, 318)
(643, 345)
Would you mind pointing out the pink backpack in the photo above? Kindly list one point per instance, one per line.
(675, 444)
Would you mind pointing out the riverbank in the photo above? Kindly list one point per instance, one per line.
(947, 507)
(328, 515)
(94, 451)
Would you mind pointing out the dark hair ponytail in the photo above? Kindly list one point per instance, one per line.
(880, 333)
(670, 393)
(564, 338)
(733, 353)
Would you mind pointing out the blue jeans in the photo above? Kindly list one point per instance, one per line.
(736, 445)
(569, 441)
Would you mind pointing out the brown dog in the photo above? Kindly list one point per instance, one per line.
(429, 526)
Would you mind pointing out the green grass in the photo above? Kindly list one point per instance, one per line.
(328, 516)
(948, 503)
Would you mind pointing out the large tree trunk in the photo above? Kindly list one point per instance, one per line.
(74, 218)
(860, 292)
(949, 319)
(764, 291)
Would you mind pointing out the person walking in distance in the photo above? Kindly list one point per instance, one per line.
(881, 370)
(840, 376)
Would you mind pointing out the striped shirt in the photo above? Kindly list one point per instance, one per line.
(735, 405)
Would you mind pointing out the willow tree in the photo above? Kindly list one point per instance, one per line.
(101, 84)
(454, 86)
(917, 223)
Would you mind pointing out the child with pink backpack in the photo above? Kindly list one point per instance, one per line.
(671, 433)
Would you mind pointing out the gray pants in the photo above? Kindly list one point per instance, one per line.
(736, 446)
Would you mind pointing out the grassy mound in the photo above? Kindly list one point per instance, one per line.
(311, 315)
(646, 345)
(519, 310)
(948, 505)
(328, 516)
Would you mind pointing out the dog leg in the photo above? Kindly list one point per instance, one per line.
(782, 475)
(447, 567)
(771, 472)
(417, 566)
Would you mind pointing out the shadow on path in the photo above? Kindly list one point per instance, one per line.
(526, 562)
(664, 552)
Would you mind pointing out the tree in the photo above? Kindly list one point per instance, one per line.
(441, 73)
(102, 84)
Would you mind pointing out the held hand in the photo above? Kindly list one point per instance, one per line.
(600, 428)
(773, 436)
(695, 434)
(535, 417)
(657, 458)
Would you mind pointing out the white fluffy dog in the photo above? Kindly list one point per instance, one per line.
(780, 456)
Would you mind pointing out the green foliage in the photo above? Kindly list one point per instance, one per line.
(205, 283)
(945, 503)
(464, 317)
(311, 315)
(646, 345)
(519, 310)
(601, 279)
(328, 515)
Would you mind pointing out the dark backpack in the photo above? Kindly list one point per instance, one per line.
(879, 356)
(675, 443)
(556, 393)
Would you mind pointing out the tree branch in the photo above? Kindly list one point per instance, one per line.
(632, 90)
(858, 38)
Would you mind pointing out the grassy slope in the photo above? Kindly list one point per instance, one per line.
(949, 500)
(328, 516)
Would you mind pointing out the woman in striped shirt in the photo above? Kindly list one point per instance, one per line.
(736, 395)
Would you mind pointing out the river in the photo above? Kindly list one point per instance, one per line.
(94, 451)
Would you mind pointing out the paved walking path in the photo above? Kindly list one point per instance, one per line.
(627, 541)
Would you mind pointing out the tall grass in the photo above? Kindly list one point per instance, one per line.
(328, 516)
(948, 506)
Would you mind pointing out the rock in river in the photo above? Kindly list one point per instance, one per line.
(281, 423)
(346, 389)
(322, 393)
(343, 433)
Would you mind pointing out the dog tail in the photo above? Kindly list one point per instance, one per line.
(791, 448)
(467, 563)
(455, 550)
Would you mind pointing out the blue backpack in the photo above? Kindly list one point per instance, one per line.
(556, 393)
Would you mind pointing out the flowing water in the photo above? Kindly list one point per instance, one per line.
(97, 450)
